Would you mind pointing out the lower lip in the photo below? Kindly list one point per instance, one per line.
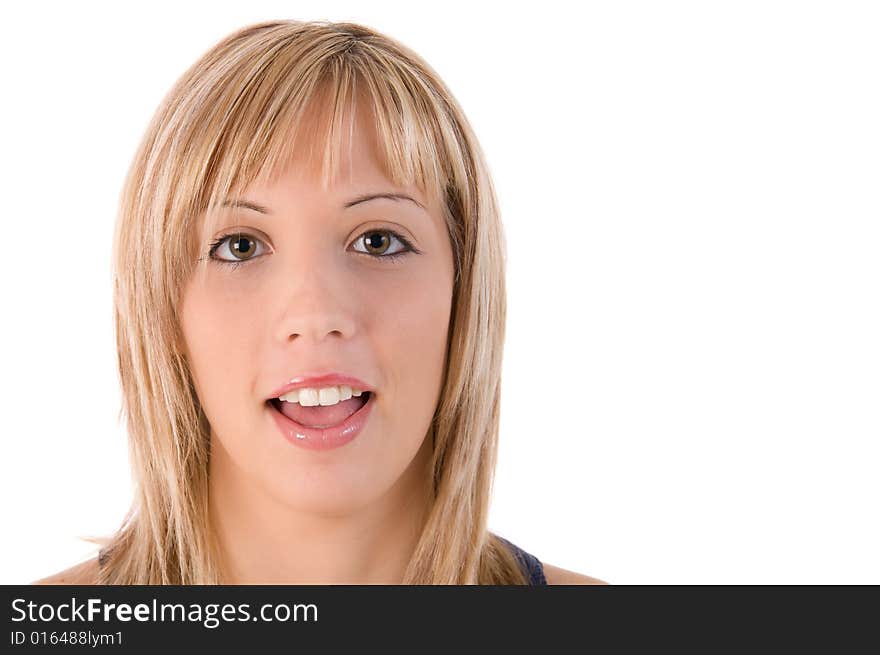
(323, 438)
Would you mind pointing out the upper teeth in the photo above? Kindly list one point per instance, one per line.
(309, 397)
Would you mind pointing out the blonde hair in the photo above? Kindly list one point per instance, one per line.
(230, 120)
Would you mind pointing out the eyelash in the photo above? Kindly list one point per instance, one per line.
(392, 258)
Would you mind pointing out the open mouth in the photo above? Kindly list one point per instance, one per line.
(322, 428)
(321, 416)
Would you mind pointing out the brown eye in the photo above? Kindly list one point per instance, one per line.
(240, 246)
(378, 242)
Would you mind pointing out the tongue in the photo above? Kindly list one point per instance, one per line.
(322, 417)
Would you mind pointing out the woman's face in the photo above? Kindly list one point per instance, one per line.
(312, 294)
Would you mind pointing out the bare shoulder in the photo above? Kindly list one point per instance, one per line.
(556, 575)
(84, 573)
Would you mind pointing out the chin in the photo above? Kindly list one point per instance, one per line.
(326, 498)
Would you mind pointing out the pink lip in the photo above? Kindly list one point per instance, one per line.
(326, 380)
(323, 438)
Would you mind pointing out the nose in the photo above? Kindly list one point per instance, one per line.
(317, 303)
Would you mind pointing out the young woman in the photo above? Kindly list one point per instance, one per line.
(310, 308)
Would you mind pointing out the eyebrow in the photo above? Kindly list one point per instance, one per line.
(374, 196)
(245, 204)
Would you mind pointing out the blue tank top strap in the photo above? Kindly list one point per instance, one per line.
(531, 565)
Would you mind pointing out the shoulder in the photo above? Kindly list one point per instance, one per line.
(84, 573)
(557, 576)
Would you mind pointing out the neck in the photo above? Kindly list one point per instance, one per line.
(262, 540)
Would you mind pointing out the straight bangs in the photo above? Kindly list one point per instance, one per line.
(287, 97)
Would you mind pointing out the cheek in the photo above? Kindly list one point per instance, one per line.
(217, 340)
(422, 328)
(414, 332)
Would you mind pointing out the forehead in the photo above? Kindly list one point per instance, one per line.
(355, 159)
(342, 160)
(328, 153)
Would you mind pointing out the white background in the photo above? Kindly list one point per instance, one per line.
(690, 195)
